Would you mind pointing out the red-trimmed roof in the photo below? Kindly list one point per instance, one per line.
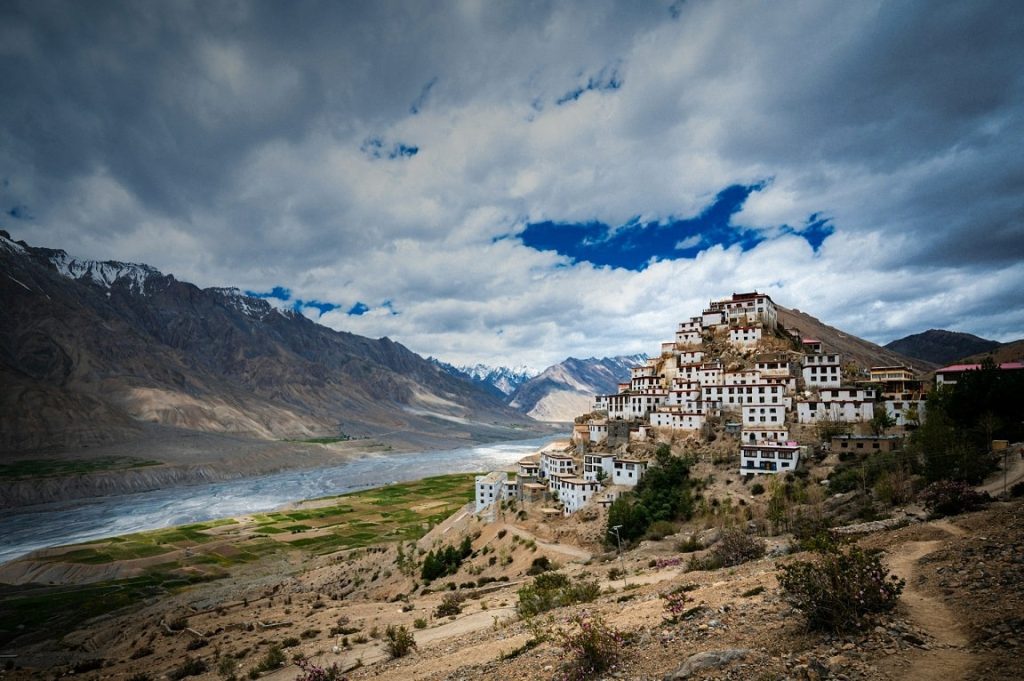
(958, 368)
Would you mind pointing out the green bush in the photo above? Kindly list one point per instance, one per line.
(659, 529)
(400, 641)
(451, 605)
(554, 590)
(756, 489)
(593, 647)
(840, 591)
(272, 659)
(420, 623)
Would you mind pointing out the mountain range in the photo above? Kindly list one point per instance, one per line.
(567, 389)
(91, 352)
(942, 347)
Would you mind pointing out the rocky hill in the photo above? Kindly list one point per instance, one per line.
(564, 391)
(92, 353)
(941, 347)
(852, 348)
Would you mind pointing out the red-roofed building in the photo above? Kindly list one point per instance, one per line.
(949, 375)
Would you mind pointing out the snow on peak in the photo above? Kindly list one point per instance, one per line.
(505, 379)
(10, 245)
(250, 306)
(104, 273)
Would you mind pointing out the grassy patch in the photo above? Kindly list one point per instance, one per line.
(199, 552)
(49, 468)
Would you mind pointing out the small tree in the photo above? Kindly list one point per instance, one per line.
(400, 641)
(881, 421)
(842, 590)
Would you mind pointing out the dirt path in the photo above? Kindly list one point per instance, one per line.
(1014, 474)
(573, 552)
(948, 659)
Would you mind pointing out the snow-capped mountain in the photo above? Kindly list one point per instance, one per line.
(505, 379)
(564, 391)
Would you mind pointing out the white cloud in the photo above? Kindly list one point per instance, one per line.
(238, 162)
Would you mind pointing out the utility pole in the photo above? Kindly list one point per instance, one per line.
(622, 562)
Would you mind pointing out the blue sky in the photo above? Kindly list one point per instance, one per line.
(514, 183)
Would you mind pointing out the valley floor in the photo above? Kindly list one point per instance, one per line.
(960, 617)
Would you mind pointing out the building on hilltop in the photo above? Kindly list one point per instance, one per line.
(744, 309)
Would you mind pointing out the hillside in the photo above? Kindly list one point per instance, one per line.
(857, 350)
(95, 353)
(941, 347)
(567, 389)
(1006, 352)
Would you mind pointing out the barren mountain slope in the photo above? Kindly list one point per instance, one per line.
(858, 350)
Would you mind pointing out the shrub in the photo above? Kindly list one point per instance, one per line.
(689, 544)
(451, 605)
(540, 564)
(756, 489)
(196, 644)
(144, 651)
(313, 672)
(736, 546)
(841, 590)
(290, 642)
(400, 641)
(554, 590)
(950, 497)
(272, 659)
(1017, 490)
(420, 623)
(594, 648)
(310, 633)
(192, 666)
(659, 529)
(226, 667)
(675, 604)
(137, 676)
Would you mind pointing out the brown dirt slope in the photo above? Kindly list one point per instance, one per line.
(852, 348)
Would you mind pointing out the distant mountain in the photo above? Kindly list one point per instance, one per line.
(1006, 352)
(941, 347)
(90, 352)
(505, 379)
(501, 380)
(852, 348)
(562, 392)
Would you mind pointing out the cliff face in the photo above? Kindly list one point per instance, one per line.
(89, 350)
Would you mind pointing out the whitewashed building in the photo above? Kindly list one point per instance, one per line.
(846, 405)
(906, 412)
(598, 431)
(769, 458)
(574, 493)
(822, 371)
(594, 463)
(556, 463)
(628, 471)
(490, 488)
(745, 336)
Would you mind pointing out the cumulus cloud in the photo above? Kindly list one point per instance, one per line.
(410, 169)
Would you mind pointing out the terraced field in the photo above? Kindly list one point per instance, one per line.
(151, 563)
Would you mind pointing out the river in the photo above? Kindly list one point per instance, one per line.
(72, 522)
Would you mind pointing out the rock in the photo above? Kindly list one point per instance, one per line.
(707, 660)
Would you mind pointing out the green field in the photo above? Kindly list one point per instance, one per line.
(204, 551)
(47, 468)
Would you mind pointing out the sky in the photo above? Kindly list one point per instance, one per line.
(517, 182)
